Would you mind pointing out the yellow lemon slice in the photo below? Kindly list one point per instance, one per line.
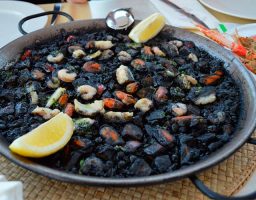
(147, 28)
(46, 139)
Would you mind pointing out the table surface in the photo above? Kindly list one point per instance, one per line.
(99, 9)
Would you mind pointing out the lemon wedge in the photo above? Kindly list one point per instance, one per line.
(46, 139)
(147, 28)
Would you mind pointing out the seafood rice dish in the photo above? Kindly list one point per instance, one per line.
(138, 109)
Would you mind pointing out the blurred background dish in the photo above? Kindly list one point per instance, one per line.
(11, 12)
(247, 30)
(237, 8)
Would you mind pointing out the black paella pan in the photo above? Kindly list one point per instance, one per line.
(247, 121)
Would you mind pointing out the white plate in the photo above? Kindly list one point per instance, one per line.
(247, 30)
(238, 8)
(11, 12)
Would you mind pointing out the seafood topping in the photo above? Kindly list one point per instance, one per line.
(53, 83)
(202, 96)
(138, 109)
(89, 109)
(71, 49)
(138, 64)
(170, 49)
(147, 51)
(106, 54)
(127, 99)
(103, 45)
(55, 96)
(55, 58)
(177, 43)
(110, 135)
(144, 104)
(124, 75)
(46, 113)
(158, 51)
(111, 103)
(87, 92)
(186, 81)
(93, 55)
(118, 116)
(79, 53)
(37, 74)
(162, 136)
(100, 89)
(65, 76)
(161, 94)
(92, 67)
(193, 57)
(211, 79)
(123, 56)
(132, 87)
(179, 109)
(83, 125)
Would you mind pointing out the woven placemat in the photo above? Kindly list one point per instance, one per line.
(226, 178)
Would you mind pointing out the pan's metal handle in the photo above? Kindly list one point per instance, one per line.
(213, 195)
(252, 141)
(22, 21)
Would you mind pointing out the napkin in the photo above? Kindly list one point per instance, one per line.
(10, 190)
(175, 18)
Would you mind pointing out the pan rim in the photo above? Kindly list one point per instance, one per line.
(136, 181)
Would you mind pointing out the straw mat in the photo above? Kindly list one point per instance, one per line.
(226, 178)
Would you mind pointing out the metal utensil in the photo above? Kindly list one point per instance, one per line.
(57, 7)
(120, 19)
(182, 11)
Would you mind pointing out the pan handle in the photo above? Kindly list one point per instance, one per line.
(213, 195)
(252, 141)
(22, 21)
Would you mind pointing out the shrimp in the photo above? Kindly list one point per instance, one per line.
(46, 113)
(55, 59)
(87, 92)
(65, 76)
